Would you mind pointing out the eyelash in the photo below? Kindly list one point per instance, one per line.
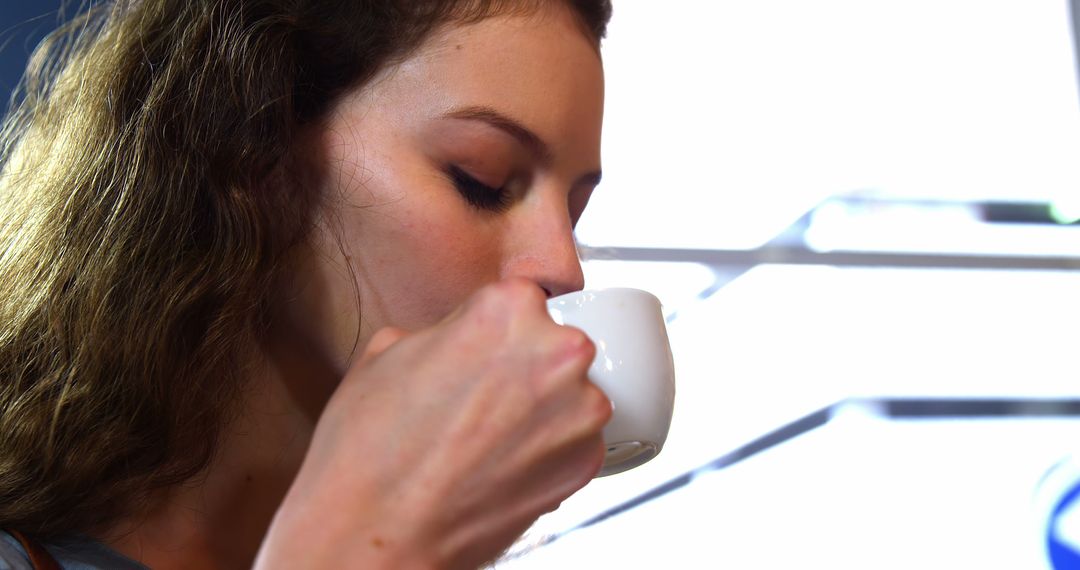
(477, 194)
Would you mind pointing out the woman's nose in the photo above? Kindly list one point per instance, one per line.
(564, 274)
(545, 252)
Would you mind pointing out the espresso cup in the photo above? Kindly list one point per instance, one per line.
(633, 367)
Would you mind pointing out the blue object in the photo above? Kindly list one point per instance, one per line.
(1063, 556)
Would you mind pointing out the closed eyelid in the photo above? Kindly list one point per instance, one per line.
(476, 193)
(522, 134)
(459, 174)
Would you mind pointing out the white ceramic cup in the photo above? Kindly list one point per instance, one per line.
(633, 367)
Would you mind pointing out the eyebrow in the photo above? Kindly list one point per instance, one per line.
(512, 127)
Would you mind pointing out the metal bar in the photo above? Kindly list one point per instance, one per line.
(975, 408)
(803, 256)
(1074, 13)
(894, 408)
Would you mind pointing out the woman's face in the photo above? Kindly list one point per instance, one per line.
(467, 163)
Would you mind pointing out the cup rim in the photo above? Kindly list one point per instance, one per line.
(587, 291)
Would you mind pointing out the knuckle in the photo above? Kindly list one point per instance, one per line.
(599, 453)
(577, 339)
(598, 407)
(381, 340)
(572, 343)
(563, 357)
(518, 290)
(593, 460)
(508, 298)
(389, 334)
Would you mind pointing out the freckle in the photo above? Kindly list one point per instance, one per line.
(377, 542)
(458, 46)
(248, 478)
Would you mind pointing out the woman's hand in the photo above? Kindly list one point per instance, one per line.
(440, 447)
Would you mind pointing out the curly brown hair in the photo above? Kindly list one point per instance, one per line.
(140, 234)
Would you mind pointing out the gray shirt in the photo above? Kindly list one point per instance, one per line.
(72, 553)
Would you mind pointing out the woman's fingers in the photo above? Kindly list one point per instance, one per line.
(446, 442)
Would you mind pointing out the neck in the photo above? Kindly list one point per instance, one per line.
(219, 519)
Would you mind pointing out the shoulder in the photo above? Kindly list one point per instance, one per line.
(12, 555)
(72, 553)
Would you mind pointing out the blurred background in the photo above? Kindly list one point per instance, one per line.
(861, 217)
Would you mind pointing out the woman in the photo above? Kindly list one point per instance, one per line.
(274, 277)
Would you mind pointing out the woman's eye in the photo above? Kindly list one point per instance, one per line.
(477, 194)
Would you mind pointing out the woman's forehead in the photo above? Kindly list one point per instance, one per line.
(520, 64)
